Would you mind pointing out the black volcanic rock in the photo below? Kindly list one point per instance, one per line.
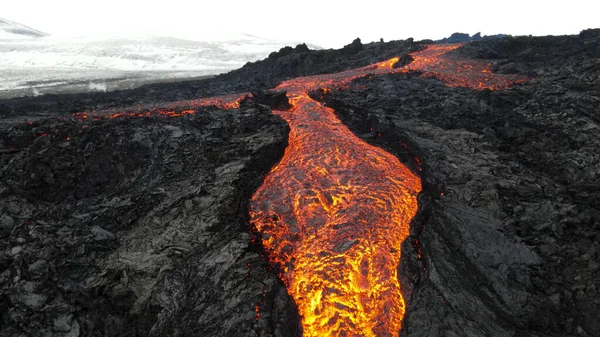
(457, 37)
(277, 100)
(125, 227)
(354, 47)
(260, 75)
(301, 48)
(463, 37)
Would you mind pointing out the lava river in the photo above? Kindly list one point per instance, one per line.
(334, 211)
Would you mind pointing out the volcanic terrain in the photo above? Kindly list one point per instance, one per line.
(387, 189)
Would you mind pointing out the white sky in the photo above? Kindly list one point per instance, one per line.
(322, 22)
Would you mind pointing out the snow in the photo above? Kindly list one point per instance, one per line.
(13, 30)
(30, 60)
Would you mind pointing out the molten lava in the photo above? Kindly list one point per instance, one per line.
(333, 214)
(175, 109)
(459, 72)
(335, 210)
(434, 61)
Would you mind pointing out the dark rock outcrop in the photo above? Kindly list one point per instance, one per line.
(277, 100)
(463, 37)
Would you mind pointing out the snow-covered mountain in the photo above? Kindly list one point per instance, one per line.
(13, 30)
(33, 63)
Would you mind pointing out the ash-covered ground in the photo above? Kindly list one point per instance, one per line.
(139, 226)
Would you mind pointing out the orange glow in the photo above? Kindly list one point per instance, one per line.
(175, 109)
(432, 61)
(333, 214)
(459, 72)
(389, 64)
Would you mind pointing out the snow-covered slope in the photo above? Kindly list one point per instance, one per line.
(13, 30)
(36, 65)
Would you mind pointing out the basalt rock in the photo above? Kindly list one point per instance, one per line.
(463, 38)
(353, 47)
(137, 227)
(277, 100)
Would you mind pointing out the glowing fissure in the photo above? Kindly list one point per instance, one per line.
(335, 210)
(175, 109)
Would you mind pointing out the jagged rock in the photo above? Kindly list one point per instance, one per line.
(7, 223)
(131, 237)
(13, 208)
(555, 299)
(522, 174)
(15, 250)
(353, 47)
(33, 301)
(276, 100)
(462, 38)
(63, 323)
(39, 267)
(122, 297)
(75, 330)
(102, 234)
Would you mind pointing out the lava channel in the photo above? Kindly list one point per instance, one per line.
(335, 210)
(333, 214)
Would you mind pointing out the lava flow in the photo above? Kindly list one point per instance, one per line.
(334, 211)
(175, 109)
(435, 61)
(333, 214)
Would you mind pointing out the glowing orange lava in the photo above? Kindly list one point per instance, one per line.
(459, 72)
(175, 109)
(333, 214)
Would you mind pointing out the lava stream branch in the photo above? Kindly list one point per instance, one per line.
(174, 109)
(333, 214)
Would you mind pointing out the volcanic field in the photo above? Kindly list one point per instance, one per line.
(387, 189)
